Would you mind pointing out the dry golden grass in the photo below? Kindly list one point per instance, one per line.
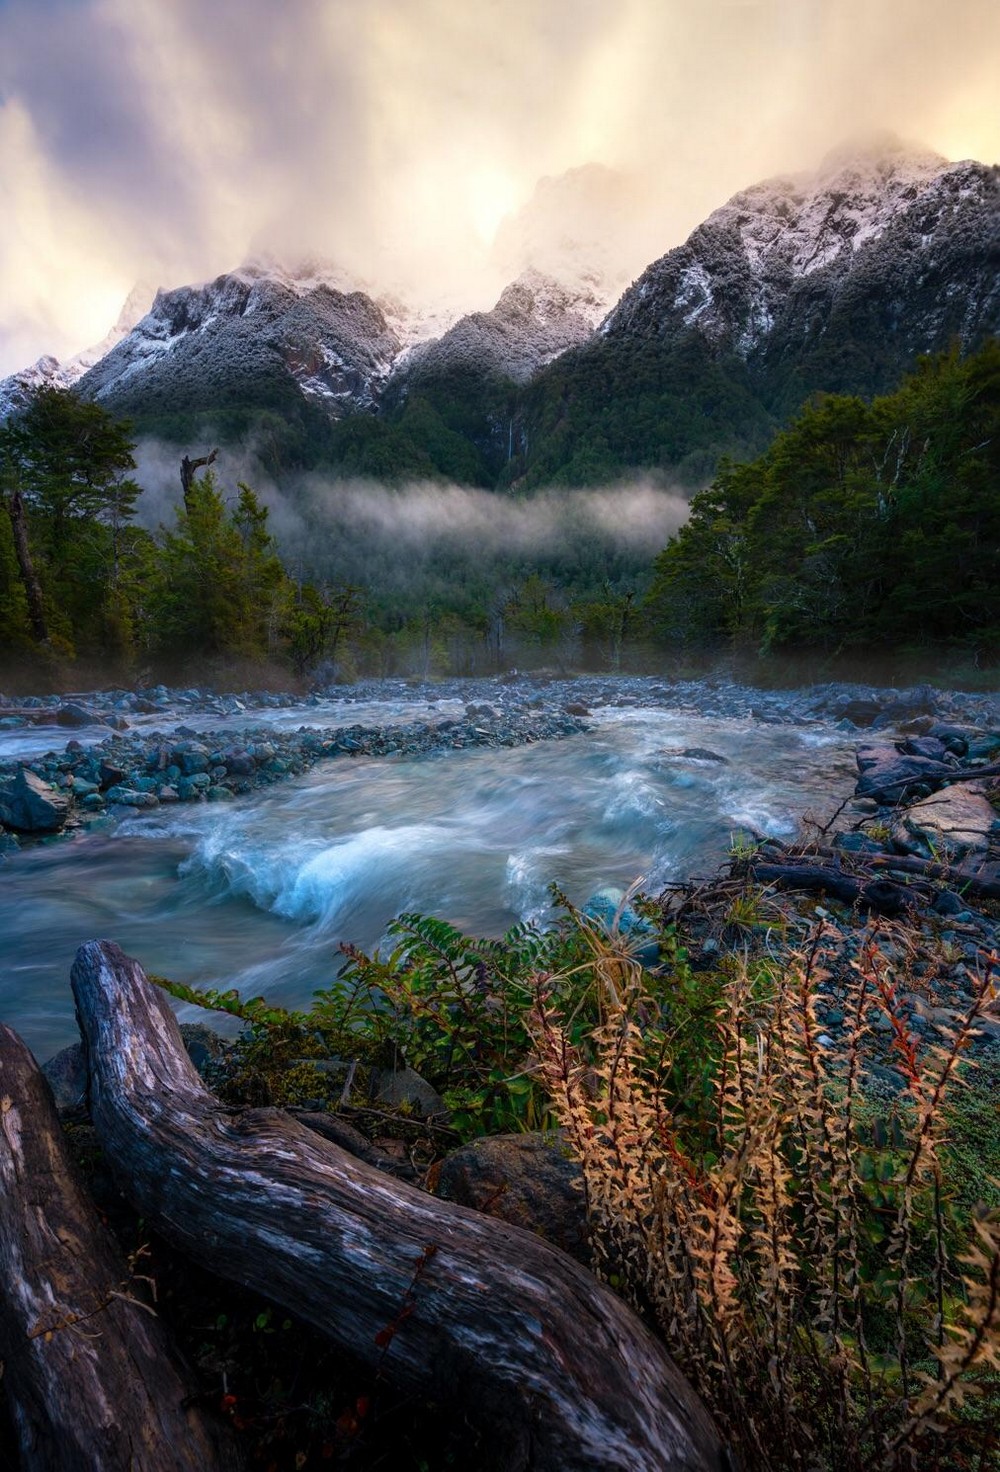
(820, 1293)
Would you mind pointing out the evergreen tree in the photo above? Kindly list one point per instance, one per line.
(218, 586)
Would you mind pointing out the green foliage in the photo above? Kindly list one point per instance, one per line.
(218, 585)
(64, 483)
(849, 533)
(621, 404)
(453, 1007)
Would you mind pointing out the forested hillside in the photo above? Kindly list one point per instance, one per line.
(865, 526)
(84, 588)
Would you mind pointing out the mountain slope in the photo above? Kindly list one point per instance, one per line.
(254, 337)
(835, 281)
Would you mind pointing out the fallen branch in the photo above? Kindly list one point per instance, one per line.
(879, 895)
(87, 1367)
(500, 1328)
(803, 872)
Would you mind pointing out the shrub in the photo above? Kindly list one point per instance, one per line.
(830, 1306)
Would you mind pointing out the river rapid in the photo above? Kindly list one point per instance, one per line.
(258, 893)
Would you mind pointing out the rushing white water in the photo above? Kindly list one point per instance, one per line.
(258, 893)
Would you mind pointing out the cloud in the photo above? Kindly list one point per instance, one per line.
(140, 139)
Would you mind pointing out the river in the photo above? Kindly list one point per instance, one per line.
(258, 893)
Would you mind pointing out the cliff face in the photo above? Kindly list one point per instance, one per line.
(836, 280)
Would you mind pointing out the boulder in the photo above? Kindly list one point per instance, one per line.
(947, 825)
(931, 747)
(193, 758)
(129, 797)
(204, 1045)
(67, 1077)
(702, 754)
(110, 774)
(404, 1086)
(609, 912)
(29, 805)
(890, 776)
(526, 1180)
(240, 764)
(77, 715)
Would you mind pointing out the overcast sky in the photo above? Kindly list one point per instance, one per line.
(164, 140)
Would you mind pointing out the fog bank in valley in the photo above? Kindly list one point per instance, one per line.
(425, 539)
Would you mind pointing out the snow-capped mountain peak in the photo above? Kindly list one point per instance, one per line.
(744, 268)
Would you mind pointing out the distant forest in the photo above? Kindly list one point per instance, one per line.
(863, 527)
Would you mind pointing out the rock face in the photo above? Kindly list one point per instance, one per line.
(29, 805)
(947, 825)
(834, 280)
(525, 1180)
(254, 333)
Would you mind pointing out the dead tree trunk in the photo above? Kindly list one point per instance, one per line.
(26, 567)
(863, 886)
(478, 1316)
(189, 469)
(87, 1369)
(864, 891)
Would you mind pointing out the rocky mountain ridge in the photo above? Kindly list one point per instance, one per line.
(835, 280)
(896, 239)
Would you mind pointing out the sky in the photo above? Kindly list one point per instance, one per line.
(165, 141)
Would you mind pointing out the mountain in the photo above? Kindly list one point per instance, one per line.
(535, 320)
(252, 337)
(887, 252)
(48, 372)
(835, 281)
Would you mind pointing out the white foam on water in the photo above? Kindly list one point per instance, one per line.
(527, 876)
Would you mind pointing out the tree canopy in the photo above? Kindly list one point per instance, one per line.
(863, 526)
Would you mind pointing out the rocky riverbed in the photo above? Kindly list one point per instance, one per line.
(135, 750)
(127, 771)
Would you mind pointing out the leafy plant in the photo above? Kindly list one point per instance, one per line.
(817, 1287)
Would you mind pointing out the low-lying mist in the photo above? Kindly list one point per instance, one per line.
(433, 543)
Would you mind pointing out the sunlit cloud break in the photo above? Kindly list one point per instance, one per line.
(149, 140)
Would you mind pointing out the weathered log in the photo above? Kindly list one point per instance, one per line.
(802, 872)
(879, 895)
(481, 1318)
(983, 883)
(87, 1368)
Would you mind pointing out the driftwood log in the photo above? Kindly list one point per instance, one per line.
(868, 883)
(87, 1369)
(878, 895)
(483, 1319)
